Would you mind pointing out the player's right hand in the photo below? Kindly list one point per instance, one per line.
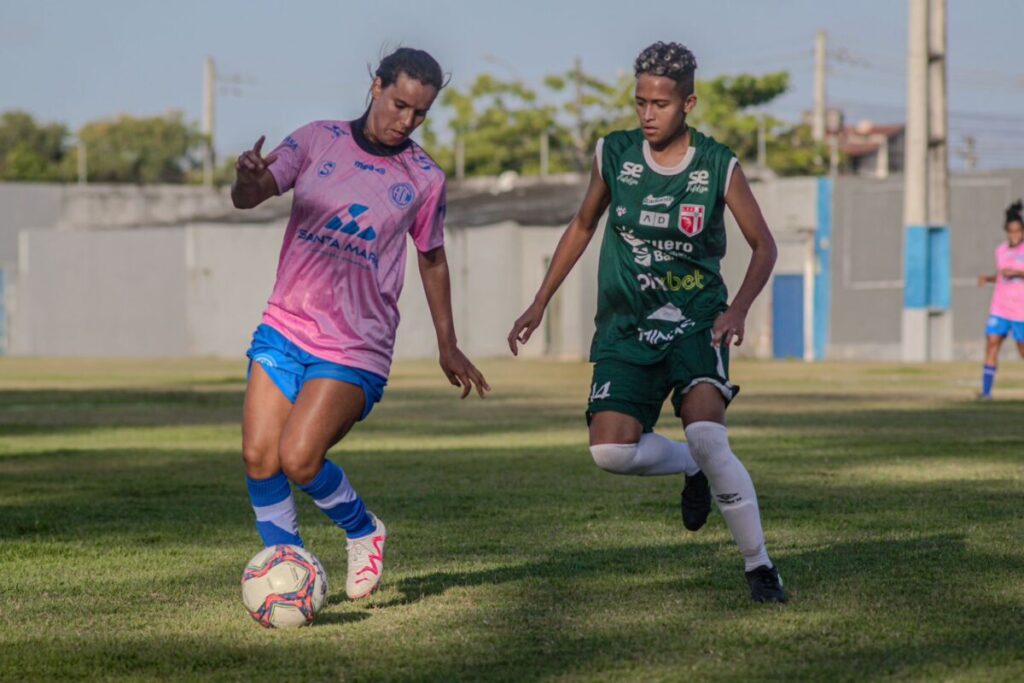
(251, 165)
(524, 327)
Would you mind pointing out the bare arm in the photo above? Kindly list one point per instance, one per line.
(254, 183)
(745, 209)
(570, 247)
(457, 368)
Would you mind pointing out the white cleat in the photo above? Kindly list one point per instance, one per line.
(366, 561)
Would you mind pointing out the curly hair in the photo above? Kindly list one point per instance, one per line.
(1013, 213)
(417, 64)
(670, 60)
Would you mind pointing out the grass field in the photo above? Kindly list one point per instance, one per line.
(892, 502)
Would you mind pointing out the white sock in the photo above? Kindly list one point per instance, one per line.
(732, 488)
(653, 455)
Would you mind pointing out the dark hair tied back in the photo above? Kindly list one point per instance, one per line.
(1013, 213)
(414, 63)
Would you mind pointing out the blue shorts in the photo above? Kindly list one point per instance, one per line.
(1000, 327)
(290, 367)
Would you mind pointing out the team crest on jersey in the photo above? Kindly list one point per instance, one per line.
(691, 219)
(698, 182)
(401, 194)
(630, 173)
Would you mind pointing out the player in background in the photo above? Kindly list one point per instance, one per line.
(321, 356)
(664, 326)
(1006, 313)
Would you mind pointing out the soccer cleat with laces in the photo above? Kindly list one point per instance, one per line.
(366, 561)
(766, 584)
(695, 501)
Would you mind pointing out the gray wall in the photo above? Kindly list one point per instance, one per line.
(101, 294)
(867, 261)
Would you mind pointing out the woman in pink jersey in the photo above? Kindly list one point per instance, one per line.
(1007, 311)
(321, 357)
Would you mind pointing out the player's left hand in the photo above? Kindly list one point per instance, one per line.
(729, 325)
(462, 373)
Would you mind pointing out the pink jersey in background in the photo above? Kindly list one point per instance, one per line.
(342, 263)
(1008, 297)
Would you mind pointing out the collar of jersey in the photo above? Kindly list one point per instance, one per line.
(669, 170)
(371, 147)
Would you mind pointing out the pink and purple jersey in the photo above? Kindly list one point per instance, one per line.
(1008, 297)
(342, 264)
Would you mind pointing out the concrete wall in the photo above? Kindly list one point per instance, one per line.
(101, 294)
(230, 272)
(867, 292)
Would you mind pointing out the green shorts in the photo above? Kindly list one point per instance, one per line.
(640, 390)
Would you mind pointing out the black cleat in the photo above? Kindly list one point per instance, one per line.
(766, 584)
(695, 502)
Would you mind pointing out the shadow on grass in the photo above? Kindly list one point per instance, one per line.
(860, 611)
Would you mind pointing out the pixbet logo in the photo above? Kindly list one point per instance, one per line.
(671, 282)
(630, 173)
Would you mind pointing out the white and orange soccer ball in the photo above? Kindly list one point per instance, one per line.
(284, 586)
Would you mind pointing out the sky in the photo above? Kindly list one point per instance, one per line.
(281, 65)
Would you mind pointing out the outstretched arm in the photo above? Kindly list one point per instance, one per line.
(254, 183)
(745, 209)
(570, 247)
(437, 286)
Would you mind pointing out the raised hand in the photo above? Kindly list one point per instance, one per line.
(251, 165)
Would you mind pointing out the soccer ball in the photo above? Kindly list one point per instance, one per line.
(284, 586)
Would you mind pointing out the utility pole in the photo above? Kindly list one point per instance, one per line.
(460, 156)
(762, 143)
(544, 153)
(209, 79)
(818, 117)
(927, 325)
(969, 153)
(83, 166)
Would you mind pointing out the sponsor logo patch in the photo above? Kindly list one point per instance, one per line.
(630, 173)
(653, 219)
(698, 182)
(651, 200)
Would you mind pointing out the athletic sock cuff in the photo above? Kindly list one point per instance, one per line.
(325, 482)
(268, 491)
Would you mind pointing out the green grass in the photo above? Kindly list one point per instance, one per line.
(892, 503)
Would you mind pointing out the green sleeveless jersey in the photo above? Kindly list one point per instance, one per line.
(659, 278)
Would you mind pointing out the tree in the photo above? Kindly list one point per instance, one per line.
(158, 149)
(30, 151)
(500, 124)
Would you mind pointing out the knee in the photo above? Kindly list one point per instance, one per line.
(709, 445)
(614, 457)
(260, 459)
(299, 462)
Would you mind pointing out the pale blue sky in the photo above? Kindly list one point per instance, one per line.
(74, 61)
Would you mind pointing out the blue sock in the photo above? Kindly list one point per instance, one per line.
(988, 378)
(333, 494)
(275, 510)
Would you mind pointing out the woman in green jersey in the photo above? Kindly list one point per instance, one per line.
(664, 324)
